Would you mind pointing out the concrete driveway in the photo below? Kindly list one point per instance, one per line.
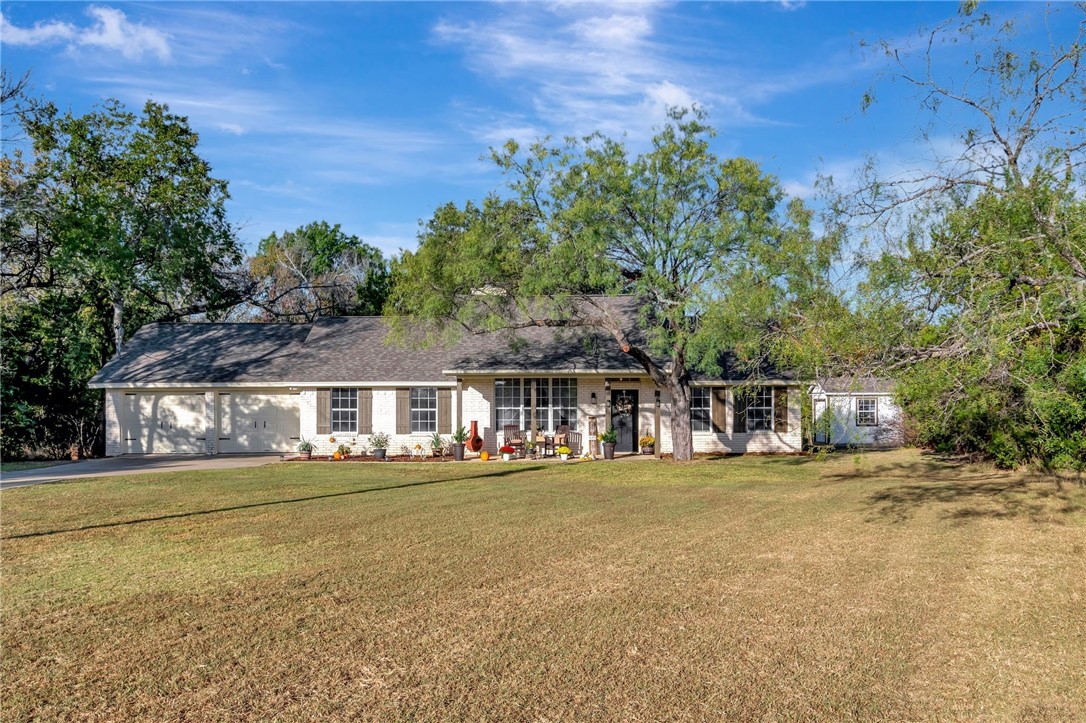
(132, 464)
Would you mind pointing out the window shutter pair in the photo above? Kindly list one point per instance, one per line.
(324, 411)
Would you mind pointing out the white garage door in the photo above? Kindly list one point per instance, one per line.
(163, 423)
(259, 422)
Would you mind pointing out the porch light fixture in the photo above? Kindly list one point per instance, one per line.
(593, 397)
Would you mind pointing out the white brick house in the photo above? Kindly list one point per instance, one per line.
(856, 413)
(232, 388)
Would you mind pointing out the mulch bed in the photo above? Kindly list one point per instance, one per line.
(368, 458)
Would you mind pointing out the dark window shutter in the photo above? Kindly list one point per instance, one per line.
(719, 410)
(365, 411)
(444, 411)
(403, 411)
(739, 425)
(780, 409)
(324, 411)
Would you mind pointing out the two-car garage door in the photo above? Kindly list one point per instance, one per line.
(176, 422)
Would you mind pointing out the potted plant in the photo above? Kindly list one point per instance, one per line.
(647, 444)
(530, 449)
(305, 449)
(343, 451)
(564, 452)
(379, 444)
(460, 438)
(609, 438)
(507, 452)
(437, 444)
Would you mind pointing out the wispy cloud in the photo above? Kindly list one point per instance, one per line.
(110, 29)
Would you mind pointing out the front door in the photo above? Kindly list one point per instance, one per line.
(624, 417)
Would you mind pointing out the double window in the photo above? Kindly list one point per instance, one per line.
(867, 412)
(423, 409)
(760, 409)
(700, 419)
(344, 409)
(555, 402)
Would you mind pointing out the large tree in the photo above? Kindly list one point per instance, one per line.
(124, 202)
(318, 270)
(689, 235)
(109, 221)
(980, 270)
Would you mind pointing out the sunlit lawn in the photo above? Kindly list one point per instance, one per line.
(749, 588)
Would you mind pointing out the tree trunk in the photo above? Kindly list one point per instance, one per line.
(682, 440)
(118, 320)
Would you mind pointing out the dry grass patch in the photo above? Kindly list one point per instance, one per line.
(904, 587)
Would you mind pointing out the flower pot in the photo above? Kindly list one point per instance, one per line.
(437, 452)
(650, 449)
(378, 454)
(608, 450)
(305, 455)
(507, 457)
(458, 452)
(563, 457)
(475, 442)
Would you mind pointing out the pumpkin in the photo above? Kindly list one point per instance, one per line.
(337, 455)
(484, 456)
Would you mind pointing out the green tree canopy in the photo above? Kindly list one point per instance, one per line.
(692, 237)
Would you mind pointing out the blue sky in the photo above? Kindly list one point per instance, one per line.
(371, 114)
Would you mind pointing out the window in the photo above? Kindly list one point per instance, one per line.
(344, 405)
(508, 403)
(423, 409)
(700, 421)
(760, 409)
(867, 412)
(563, 406)
(555, 403)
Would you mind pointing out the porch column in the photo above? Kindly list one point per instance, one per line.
(459, 403)
(656, 426)
(607, 404)
(534, 419)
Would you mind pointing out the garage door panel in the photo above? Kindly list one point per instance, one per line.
(259, 422)
(163, 423)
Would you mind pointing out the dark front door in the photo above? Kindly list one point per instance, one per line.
(624, 417)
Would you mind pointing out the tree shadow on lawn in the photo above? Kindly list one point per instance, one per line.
(197, 513)
(1039, 498)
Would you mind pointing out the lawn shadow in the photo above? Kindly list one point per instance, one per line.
(269, 503)
(1038, 498)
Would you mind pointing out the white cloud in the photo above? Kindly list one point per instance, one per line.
(110, 30)
(40, 34)
(113, 31)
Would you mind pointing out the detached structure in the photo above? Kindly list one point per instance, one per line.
(210, 388)
(857, 412)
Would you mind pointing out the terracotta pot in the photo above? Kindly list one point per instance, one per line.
(475, 442)
(305, 455)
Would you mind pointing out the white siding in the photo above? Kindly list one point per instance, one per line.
(842, 420)
(741, 442)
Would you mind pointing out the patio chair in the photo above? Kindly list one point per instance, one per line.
(514, 437)
(561, 435)
(573, 441)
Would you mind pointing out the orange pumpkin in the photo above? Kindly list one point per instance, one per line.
(337, 455)
(484, 456)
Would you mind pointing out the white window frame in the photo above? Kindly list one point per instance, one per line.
(702, 406)
(555, 396)
(423, 410)
(343, 402)
(873, 420)
(508, 403)
(762, 422)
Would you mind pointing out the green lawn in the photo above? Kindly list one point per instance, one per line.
(747, 588)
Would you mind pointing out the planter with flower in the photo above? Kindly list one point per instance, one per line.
(379, 444)
(609, 438)
(531, 449)
(343, 451)
(437, 445)
(647, 444)
(305, 449)
(563, 452)
(507, 452)
(459, 438)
